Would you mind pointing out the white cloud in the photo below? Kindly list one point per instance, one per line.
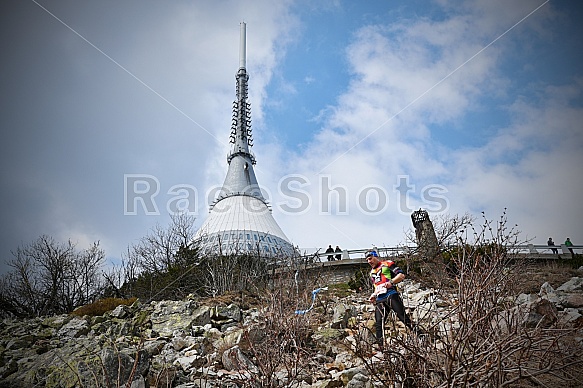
(529, 166)
(81, 123)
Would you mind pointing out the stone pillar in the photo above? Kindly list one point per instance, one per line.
(425, 234)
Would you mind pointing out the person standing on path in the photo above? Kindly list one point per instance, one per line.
(330, 250)
(569, 244)
(551, 243)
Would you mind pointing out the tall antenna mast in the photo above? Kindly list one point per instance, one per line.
(243, 46)
(241, 137)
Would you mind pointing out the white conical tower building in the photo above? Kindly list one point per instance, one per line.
(240, 219)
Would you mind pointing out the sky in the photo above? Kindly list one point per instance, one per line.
(115, 114)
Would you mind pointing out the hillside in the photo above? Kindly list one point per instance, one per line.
(258, 340)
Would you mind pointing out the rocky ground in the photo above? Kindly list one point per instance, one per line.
(208, 343)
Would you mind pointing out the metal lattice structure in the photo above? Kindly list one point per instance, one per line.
(240, 219)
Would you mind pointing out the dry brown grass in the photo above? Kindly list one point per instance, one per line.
(553, 272)
(102, 306)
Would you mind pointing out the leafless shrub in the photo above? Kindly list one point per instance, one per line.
(280, 344)
(164, 377)
(448, 230)
(481, 338)
(48, 277)
(233, 272)
(161, 265)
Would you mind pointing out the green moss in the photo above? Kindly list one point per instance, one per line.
(62, 377)
(330, 334)
(340, 290)
(340, 286)
(142, 317)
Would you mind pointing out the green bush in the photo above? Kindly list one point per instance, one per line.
(102, 306)
(340, 290)
(360, 281)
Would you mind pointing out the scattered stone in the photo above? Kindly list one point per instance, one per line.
(75, 328)
(234, 360)
(190, 362)
(231, 311)
(57, 321)
(575, 284)
(186, 345)
(573, 300)
(359, 380)
(541, 313)
(120, 311)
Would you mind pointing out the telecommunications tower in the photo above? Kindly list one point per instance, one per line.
(240, 219)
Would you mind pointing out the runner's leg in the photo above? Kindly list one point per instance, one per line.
(398, 307)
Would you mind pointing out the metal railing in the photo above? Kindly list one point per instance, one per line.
(548, 249)
(532, 250)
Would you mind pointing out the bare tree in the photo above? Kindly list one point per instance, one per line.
(85, 278)
(233, 272)
(161, 265)
(48, 277)
(156, 252)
